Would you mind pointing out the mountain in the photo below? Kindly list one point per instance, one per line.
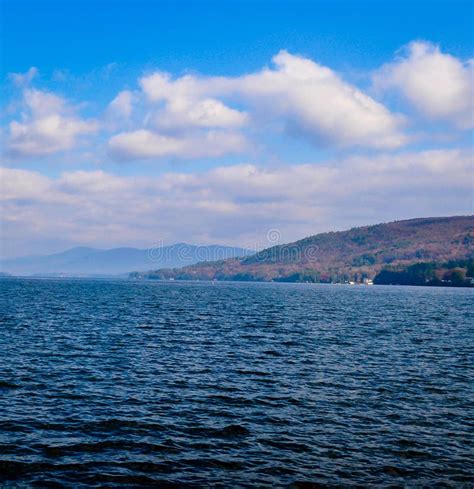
(344, 256)
(82, 261)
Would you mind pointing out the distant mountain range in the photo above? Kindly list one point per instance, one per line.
(354, 255)
(82, 261)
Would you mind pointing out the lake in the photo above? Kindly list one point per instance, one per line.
(135, 384)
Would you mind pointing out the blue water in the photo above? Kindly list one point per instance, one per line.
(135, 384)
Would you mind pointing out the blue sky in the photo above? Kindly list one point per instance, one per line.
(223, 37)
(129, 123)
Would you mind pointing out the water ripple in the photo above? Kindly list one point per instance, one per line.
(136, 384)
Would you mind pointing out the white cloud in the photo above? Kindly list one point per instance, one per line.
(235, 204)
(22, 184)
(121, 105)
(310, 99)
(187, 103)
(22, 79)
(45, 136)
(192, 116)
(206, 113)
(48, 125)
(147, 144)
(314, 101)
(182, 125)
(440, 86)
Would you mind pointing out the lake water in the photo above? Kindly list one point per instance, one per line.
(134, 384)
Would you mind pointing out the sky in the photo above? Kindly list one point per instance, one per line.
(249, 123)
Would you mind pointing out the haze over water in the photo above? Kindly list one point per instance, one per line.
(120, 383)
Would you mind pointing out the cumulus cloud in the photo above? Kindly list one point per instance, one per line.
(314, 101)
(234, 204)
(306, 99)
(48, 125)
(182, 125)
(310, 99)
(187, 105)
(440, 86)
(206, 113)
